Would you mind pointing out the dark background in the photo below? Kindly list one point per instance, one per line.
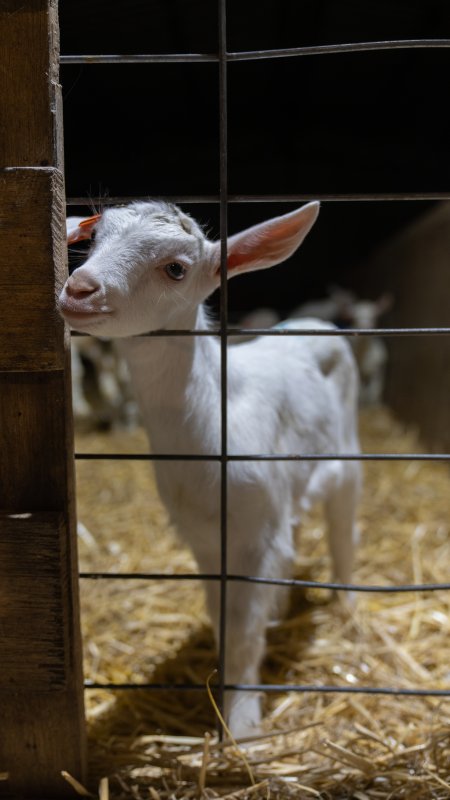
(351, 123)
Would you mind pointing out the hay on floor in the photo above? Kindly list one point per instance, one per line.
(153, 744)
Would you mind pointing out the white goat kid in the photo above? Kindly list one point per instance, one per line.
(150, 268)
(370, 351)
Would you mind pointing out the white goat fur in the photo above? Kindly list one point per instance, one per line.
(285, 395)
(370, 351)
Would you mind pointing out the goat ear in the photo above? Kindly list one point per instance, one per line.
(79, 228)
(268, 243)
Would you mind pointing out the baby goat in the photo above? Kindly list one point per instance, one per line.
(150, 268)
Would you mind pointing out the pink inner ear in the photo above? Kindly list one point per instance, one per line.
(236, 259)
(268, 243)
(84, 229)
(257, 246)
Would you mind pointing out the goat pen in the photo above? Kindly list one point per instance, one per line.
(41, 687)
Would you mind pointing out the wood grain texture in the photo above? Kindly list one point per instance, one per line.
(38, 742)
(41, 687)
(42, 729)
(29, 55)
(31, 603)
(34, 471)
(33, 242)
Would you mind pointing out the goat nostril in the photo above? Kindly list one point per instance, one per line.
(81, 287)
(81, 295)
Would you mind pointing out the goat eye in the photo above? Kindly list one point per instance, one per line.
(93, 235)
(175, 271)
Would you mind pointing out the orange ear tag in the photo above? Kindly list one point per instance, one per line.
(83, 230)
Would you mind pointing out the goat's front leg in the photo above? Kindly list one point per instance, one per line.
(258, 546)
(247, 614)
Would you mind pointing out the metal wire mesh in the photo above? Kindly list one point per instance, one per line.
(254, 55)
(223, 198)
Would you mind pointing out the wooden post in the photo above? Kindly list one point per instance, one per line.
(41, 688)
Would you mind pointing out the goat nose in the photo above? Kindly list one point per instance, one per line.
(80, 286)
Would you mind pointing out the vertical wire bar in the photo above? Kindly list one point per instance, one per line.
(223, 145)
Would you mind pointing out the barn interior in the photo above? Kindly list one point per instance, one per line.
(367, 133)
(329, 125)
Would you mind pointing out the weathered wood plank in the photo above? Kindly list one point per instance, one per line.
(41, 695)
(34, 653)
(32, 224)
(29, 197)
(42, 727)
(38, 743)
(33, 433)
(29, 55)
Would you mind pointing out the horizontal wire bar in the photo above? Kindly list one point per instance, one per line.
(308, 332)
(263, 457)
(271, 687)
(292, 332)
(262, 198)
(252, 55)
(288, 582)
(138, 58)
(336, 49)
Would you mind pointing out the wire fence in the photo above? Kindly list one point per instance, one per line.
(223, 198)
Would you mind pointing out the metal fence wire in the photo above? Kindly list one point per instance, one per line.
(223, 57)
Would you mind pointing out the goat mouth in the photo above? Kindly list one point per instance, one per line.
(77, 319)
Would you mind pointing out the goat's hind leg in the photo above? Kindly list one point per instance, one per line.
(340, 510)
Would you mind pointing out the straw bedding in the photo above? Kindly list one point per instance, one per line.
(153, 744)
